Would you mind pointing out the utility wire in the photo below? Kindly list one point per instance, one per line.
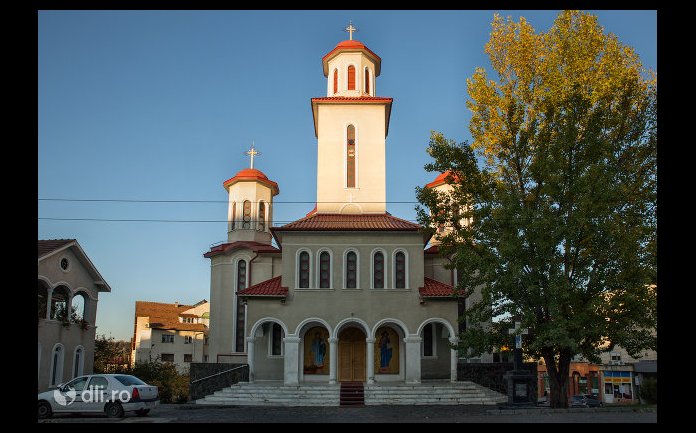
(203, 201)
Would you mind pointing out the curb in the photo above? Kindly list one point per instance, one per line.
(573, 410)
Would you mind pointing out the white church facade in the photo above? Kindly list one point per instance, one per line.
(350, 293)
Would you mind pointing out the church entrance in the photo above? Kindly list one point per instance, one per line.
(351, 355)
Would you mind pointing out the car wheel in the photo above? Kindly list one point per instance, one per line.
(142, 412)
(114, 410)
(45, 410)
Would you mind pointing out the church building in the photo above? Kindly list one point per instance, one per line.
(350, 293)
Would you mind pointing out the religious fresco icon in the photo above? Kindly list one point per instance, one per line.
(316, 351)
(387, 351)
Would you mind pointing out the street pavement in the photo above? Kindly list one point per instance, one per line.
(191, 413)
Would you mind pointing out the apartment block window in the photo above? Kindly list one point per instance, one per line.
(188, 339)
(188, 357)
(167, 338)
(167, 357)
(205, 358)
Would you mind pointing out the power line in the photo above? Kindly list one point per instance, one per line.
(178, 221)
(205, 201)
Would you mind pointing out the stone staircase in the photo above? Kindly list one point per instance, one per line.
(444, 393)
(308, 394)
(274, 394)
(352, 394)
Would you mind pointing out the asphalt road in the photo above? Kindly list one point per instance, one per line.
(168, 413)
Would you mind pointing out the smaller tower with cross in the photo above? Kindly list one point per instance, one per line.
(250, 210)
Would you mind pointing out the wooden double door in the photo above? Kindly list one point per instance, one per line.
(352, 355)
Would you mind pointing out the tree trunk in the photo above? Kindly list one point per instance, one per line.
(558, 378)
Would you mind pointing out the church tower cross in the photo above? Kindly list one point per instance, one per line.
(350, 29)
(252, 153)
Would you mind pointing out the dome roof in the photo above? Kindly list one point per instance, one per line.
(351, 45)
(251, 175)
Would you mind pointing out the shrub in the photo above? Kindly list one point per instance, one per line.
(648, 390)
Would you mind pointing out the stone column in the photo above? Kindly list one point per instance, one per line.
(454, 359)
(413, 358)
(370, 360)
(49, 299)
(250, 357)
(291, 371)
(333, 362)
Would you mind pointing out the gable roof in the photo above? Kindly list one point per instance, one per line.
(270, 288)
(49, 247)
(349, 222)
(166, 316)
(254, 246)
(436, 289)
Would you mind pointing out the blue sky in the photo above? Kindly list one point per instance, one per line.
(161, 105)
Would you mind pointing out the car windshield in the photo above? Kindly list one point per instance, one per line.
(577, 397)
(129, 380)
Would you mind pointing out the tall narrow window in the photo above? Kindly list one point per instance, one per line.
(234, 215)
(77, 362)
(57, 368)
(351, 77)
(428, 340)
(276, 340)
(400, 270)
(378, 270)
(304, 270)
(261, 224)
(335, 81)
(241, 285)
(246, 221)
(350, 157)
(324, 270)
(367, 81)
(351, 270)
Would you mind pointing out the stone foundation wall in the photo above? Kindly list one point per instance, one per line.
(491, 375)
(200, 370)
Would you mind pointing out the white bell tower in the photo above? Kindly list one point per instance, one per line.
(351, 126)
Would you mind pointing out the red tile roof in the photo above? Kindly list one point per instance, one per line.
(268, 288)
(166, 316)
(442, 179)
(349, 222)
(353, 99)
(49, 245)
(256, 247)
(434, 249)
(435, 289)
(251, 175)
(351, 45)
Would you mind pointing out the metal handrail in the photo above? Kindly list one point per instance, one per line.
(222, 372)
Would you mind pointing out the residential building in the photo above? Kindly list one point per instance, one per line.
(175, 333)
(69, 287)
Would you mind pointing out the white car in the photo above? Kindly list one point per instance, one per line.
(113, 394)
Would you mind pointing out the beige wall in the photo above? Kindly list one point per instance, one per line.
(149, 346)
(341, 62)
(223, 298)
(52, 332)
(254, 192)
(369, 196)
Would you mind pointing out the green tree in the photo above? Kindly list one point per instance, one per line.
(558, 192)
(111, 355)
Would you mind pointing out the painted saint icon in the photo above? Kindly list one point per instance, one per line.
(318, 350)
(385, 352)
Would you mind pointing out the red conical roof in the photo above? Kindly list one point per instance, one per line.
(251, 174)
(351, 45)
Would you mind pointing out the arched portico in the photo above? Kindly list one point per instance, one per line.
(436, 337)
(266, 349)
(316, 350)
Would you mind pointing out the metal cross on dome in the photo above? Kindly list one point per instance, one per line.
(252, 153)
(350, 29)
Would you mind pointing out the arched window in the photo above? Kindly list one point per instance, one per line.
(324, 270)
(59, 304)
(276, 340)
(261, 224)
(400, 270)
(78, 361)
(304, 270)
(79, 301)
(234, 215)
(246, 220)
(378, 270)
(367, 81)
(351, 77)
(43, 300)
(335, 81)
(241, 285)
(350, 157)
(351, 270)
(57, 365)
